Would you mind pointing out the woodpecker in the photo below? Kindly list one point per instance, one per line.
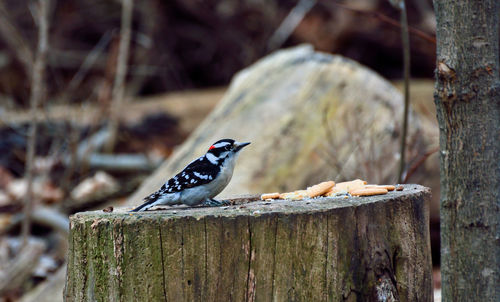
(201, 180)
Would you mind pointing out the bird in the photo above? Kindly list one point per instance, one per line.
(201, 180)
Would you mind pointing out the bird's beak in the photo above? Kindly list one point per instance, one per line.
(239, 146)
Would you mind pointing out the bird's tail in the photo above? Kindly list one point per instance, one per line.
(142, 207)
(149, 202)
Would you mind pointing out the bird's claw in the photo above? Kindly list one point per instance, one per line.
(215, 203)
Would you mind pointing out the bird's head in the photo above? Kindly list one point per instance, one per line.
(224, 148)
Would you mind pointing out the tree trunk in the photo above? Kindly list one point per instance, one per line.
(358, 249)
(468, 110)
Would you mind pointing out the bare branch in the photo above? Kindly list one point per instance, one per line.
(35, 100)
(405, 37)
(118, 92)
(416, 32)
(20, 268)
(48, 217)
(418, 163)
(90, 60)
(289, 24)
(50, 289)
(15, 40)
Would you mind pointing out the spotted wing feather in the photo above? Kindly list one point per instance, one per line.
(198, 172)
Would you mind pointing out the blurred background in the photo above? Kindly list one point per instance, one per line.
(151, 71)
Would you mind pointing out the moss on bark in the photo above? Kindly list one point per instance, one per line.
(326, 249)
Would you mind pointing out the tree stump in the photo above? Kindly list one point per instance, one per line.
(326, 249)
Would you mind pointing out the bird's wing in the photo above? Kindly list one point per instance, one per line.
(198, 172)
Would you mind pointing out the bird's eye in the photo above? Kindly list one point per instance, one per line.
(227, 148)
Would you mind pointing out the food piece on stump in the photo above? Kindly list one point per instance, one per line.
(267, 196)
(387, 187)
(295, 195)
(368, 192)
(320, 189)
(346, 186)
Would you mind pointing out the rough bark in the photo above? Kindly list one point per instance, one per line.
(357, 249)
(468, 110)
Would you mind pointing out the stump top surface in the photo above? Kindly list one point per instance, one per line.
(253, 206)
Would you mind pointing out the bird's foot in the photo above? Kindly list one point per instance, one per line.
(215, 203)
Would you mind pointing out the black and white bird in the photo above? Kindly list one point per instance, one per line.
(201, 180)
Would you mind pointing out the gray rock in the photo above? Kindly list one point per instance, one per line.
(310, 117)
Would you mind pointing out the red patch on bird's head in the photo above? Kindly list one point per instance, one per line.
(211, 147)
